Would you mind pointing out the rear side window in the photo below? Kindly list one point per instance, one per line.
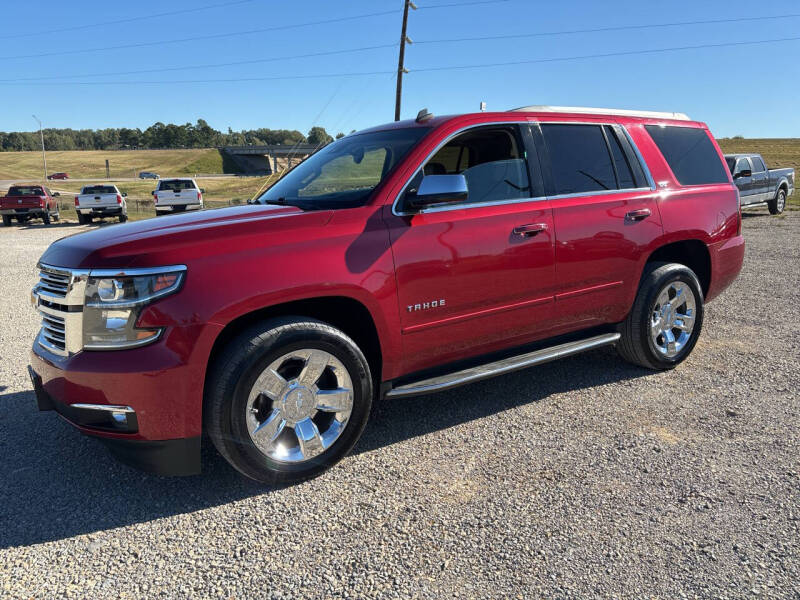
(758, 164)
(690, 154)
(579, 158)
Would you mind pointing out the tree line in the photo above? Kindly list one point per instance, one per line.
(158, 135)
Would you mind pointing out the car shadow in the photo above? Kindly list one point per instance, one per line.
(57, 483)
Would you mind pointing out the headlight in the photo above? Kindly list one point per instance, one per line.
(114, 301)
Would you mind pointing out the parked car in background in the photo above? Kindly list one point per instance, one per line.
(58, 176)
(98, 201)
(758, 185)
(177, 195)
(402, 260)
(148, 175)
(26, 202)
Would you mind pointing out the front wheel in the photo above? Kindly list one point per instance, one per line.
(663, 326)
(46, 218)
(123, 218)
(287, 399)
(777, 205)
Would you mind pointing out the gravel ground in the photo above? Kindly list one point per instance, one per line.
(585, 477)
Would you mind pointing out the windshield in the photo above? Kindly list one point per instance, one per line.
(176, 185)
(731, 163)
(99, 189)
(344, 173)
(25, 191)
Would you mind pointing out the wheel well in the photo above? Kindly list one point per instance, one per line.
(784, 186)
(691, 253)
(346, 314)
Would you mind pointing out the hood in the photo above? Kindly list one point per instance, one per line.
(177, 239)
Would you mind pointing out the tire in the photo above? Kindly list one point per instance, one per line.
(6, 221)
(644, 341)
(234, 410)
(56, 216)
(123, 218)
(81, 219)
(46, 218)
(777, 204)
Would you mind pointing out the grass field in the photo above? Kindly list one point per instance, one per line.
(224, 191)
(122, 163)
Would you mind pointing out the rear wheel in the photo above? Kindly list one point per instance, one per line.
(287, 399)
(6, 221)
(666, 319)
(777, 205)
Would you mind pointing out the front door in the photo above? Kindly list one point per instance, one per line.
(746, 185)
(477, 275)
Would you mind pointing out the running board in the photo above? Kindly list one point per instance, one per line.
(500, 367)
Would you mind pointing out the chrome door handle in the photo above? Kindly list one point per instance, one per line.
(637, 215)
(530, 229)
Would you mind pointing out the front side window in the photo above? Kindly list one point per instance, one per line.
(744, 165)
(492, 160)
(690, 154)
(344, 173)
(579, 159)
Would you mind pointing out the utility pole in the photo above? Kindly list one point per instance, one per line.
(44, 156)
(401, 62)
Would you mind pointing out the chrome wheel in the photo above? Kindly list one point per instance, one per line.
(672, 318)
(299, 405)
(781, 201)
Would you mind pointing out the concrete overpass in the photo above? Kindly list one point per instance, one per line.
(268, 159)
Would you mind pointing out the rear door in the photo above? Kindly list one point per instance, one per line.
(478, 275)
(605, 215)
(760, 179)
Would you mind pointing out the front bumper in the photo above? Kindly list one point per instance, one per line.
(144, 403)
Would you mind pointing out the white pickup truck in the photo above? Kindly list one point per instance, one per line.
(175, 195)
(101, 201)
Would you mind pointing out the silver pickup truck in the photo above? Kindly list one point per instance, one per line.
(759, 186)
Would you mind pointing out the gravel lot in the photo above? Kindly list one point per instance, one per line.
(585, 477)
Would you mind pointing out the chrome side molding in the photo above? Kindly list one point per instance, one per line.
(500, 367)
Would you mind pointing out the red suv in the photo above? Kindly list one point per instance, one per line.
(404, 259)
(58, 176)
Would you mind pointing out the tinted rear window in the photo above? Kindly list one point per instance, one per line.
(690, 154)
(25, 191)
(176, 185)
(99, 189)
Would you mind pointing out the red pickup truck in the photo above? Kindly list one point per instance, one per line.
(404, 259)
(26, 202)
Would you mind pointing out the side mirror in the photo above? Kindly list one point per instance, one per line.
(124, 194)
(745, 173)
(56, 194)
(153, 193)
(202, 190)
(439, 189)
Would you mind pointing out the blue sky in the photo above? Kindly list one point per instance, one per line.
(749, 90)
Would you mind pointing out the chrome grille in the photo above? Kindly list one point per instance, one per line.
(53, 335)
(59, 298)
(54, 282)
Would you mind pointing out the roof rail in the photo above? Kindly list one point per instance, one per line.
(650, 114)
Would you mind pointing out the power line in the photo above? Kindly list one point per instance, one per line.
(461, 4)
(39, 32)
(205, 37)
(604, 55)
(424, 69)
(604, 29)
(209, 65)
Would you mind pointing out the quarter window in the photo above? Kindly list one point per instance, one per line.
(623, 167)
(579, 158)
(690, 154)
